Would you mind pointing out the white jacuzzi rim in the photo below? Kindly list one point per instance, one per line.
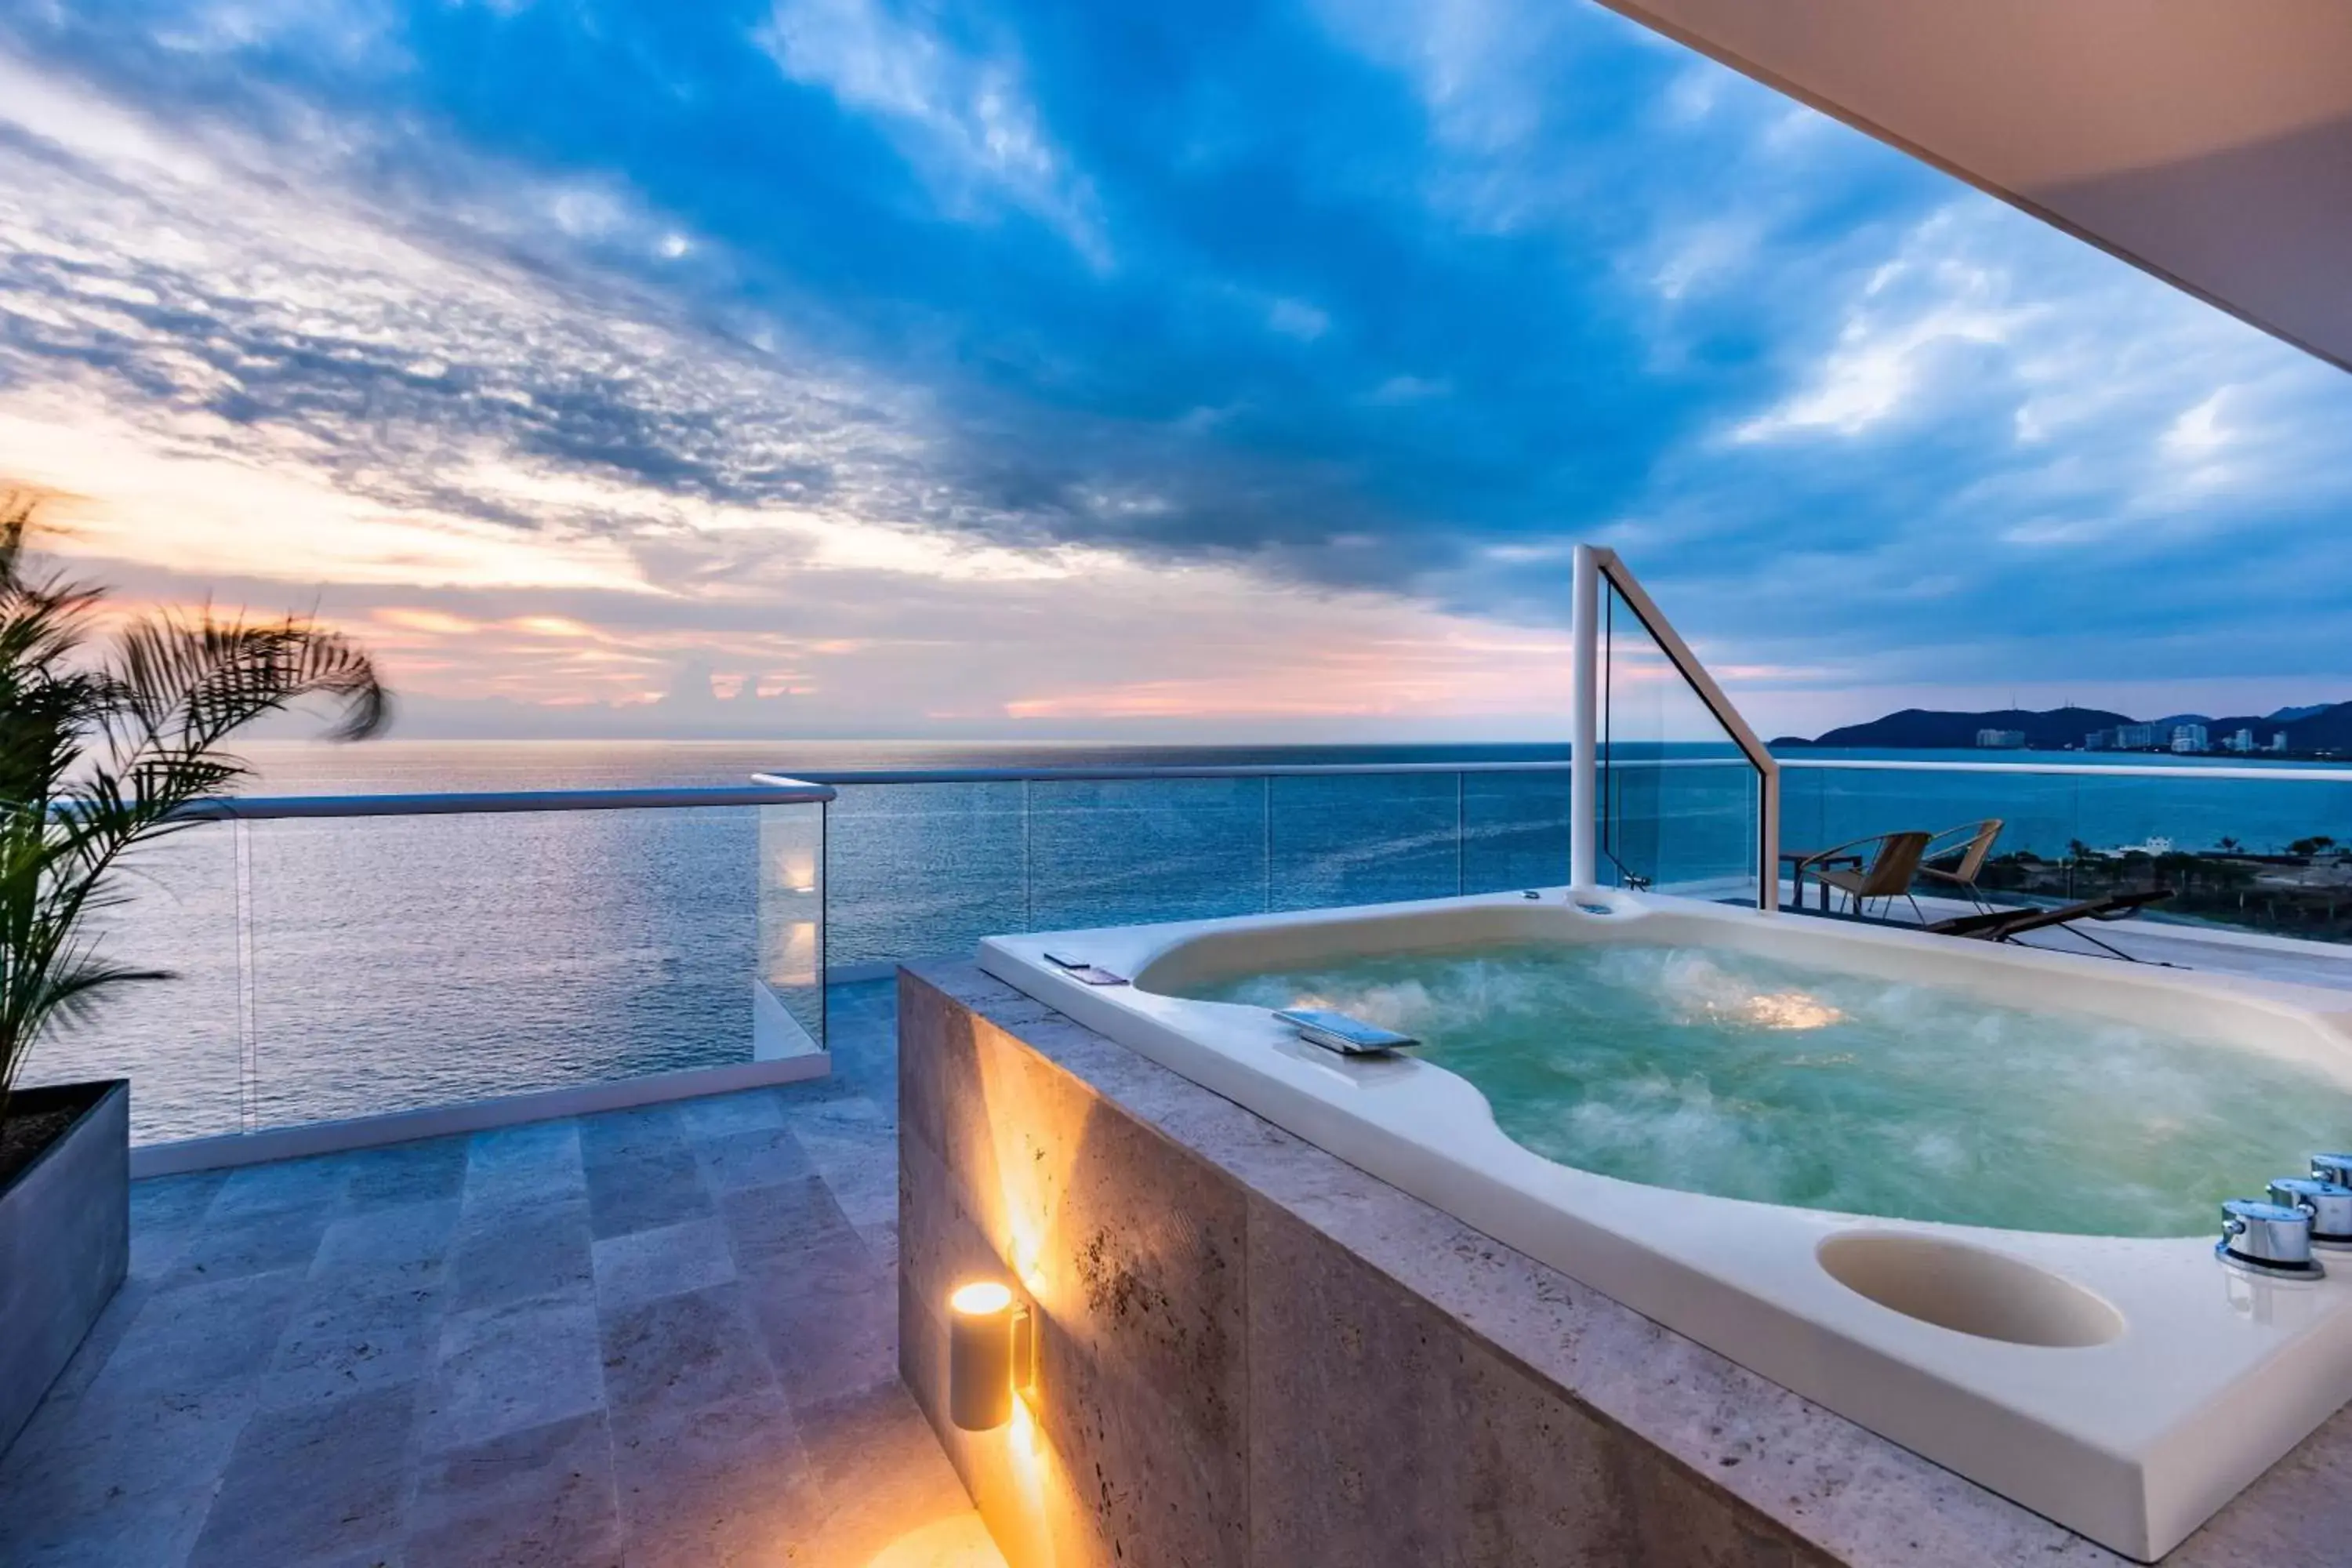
(2105, 1437)
(2306, 1007)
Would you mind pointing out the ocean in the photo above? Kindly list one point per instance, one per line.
(394, 962)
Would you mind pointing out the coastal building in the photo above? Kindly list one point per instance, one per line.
(2278, 741)
(2188, 738)
(2240, 740)
(2134, 737)
(2000, 740)
(2096, 741)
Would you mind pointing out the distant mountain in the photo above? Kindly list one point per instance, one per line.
(2329, 730)
(2324, 728)
(1924, 729)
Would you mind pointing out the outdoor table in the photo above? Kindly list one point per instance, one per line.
(1797, 858)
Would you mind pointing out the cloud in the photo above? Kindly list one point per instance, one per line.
(298, 382)
(1404, 389)
(343, 29)
(960, 114)
(1917, 310)
(1297, 319)
(972, 359)
(277, 386)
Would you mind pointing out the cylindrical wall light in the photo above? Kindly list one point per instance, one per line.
(989, 1355)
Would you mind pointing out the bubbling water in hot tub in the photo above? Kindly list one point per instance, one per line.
(1716, 1071)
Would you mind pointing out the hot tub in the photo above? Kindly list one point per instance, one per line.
(2076, 1350)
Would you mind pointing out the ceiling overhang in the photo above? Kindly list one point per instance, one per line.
(2207, 142)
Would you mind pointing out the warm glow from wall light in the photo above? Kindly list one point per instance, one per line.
(981, 1299)
(942, 1543)
(988, 1337)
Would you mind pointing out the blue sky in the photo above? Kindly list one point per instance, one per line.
(851, 366)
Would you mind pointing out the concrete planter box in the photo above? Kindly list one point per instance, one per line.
(65, 1239)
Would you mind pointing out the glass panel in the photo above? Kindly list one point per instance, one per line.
(177, 1040)
(1363, 838)
(1126, 852)
(1515, 830)
(2265, 853)
(1804, 821)
(1679, 800)
(408, 961)
(788, 1010)
(924, 870)
(2038, 814)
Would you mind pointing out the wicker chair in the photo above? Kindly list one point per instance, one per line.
(1885, 873)
(1955, 857)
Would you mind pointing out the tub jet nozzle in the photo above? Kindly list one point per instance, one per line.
(2330, 1204)
(2272, 1241)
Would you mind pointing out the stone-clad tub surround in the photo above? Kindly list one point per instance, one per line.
(1251, 1352)
(2126, 1387)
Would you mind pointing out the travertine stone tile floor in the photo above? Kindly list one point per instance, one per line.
(653, 1337)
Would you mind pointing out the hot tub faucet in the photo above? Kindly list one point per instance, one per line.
(2269, 1239)
(2330, 1204)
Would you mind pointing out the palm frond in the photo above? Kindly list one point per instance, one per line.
(187, 682)
(97, 758)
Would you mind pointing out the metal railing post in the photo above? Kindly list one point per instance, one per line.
(1583, 779)
(823, 926)
(248, 1041)
(1266, 840)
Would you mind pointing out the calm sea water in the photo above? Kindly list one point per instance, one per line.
(392, 963)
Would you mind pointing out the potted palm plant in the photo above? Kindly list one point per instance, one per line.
(103, 748)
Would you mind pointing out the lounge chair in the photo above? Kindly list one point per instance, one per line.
(2008, 925)
(1955, 857)
(1885, 873)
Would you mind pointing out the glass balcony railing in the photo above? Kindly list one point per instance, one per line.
(925, 864)
(1685, 796)
(928, 864)
(358, 957)
(355, 957)
(1680, 802)
(2261, 847)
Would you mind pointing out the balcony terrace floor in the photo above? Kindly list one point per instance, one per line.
(657, 1336)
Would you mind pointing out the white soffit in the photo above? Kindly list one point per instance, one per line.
(2206, 141)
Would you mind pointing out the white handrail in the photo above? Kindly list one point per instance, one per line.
(2083, 770)
(1591, 564)
(768, 791)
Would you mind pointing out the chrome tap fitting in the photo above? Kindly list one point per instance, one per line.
(2269, 1239)
(2330, 1204)
(2337, 1168)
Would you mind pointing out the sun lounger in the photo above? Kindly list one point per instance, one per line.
(2008, 925)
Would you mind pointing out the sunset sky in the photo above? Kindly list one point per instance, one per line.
(1203, 372)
